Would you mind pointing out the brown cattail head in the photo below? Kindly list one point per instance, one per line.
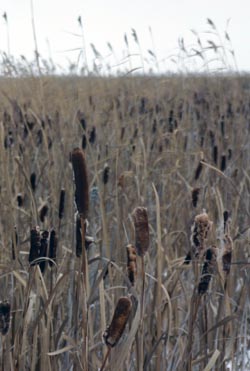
(227, 254)
(33, 181)
(200, 230)
(43, 250)
(35, 244)
(105, 177)
(118, 323)
(140, 218)
(131, 263)
(61, 204)
(43, 212)
(81, 182)
(195, 196)
(207, 270)
(52, 247)
(4, 317)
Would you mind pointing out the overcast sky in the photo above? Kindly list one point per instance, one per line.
(57, 30)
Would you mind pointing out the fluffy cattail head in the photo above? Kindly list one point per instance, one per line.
(118, 323)
(81, 182)
(4, 317)
(207, 270)
(131, 263)
(200, 230)
(140, 218)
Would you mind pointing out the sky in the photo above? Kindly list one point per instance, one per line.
(158, 24)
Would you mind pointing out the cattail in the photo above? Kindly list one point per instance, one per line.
(227, 254)
(188, 258)
(43, 250)
(81, 182)
(14, 243)
(122, 133)
(4, 317)
(84, 141)
(140, 218)
(52, 247)
(215, 154)
(230, 152)
(19, 200)
(225, 217)
(198, 171)
(105, 177)
(207, 270)
(61, 204)
(200, 230)
(115, 330)
(33, 181)
(43, 212)
(131, 263)
(223, 164)
(35, 244)
(92, 135)
(78, 236)
(195, 196)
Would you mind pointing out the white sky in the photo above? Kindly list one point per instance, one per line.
(108, 21)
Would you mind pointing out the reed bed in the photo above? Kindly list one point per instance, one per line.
(124, 223)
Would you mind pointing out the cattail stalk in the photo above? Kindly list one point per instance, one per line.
(82, 203)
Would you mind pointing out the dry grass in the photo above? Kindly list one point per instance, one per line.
(174, 145)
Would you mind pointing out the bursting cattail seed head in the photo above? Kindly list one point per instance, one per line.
(131, 263)
(200, 229)
(81, 182)
(4, 317)
(140, 218)
(116, 328)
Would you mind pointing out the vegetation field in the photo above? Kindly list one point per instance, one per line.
(128, 190)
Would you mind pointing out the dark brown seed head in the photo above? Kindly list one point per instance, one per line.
(78, 236)
(43, 250)
(43, 212)
(33, 181)
(52, 246)
(105, 177)
(81, 182)
(118, 323)
(35, 244)
(198, 171)
(140, 218)
(207, 270)
(227, 254)
(61, 204)
(131, 263)
(195, 196)
(4, 317)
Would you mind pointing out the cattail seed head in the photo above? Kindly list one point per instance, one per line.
(81, 182)
(198, 171)
(33, 181)
(43, 250)
(105, 177)
(195, 196)
(131, 263)
(116, 328)
(227, 254)
(200, 230)
(43, 212)
(35, 244)
(140, 218)
(4, 317)
(61, 204)
(52, 247)
(207, 270)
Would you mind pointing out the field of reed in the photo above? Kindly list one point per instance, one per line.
(124, 223)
